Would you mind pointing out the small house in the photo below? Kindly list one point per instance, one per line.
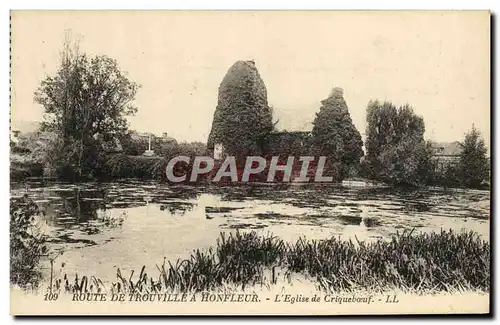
(447, 151)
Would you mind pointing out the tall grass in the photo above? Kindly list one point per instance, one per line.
(442, 261)
(445, 261)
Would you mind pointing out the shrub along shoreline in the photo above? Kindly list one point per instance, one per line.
(435, 262)
(122, 167)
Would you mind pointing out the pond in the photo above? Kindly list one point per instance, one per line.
(99, 227)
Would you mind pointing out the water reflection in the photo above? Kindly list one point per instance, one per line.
(83, 212)
(77, 206)
(130, 224)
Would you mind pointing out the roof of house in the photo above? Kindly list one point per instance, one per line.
(447, 148)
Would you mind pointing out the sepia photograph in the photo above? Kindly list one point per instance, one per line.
(250, 162)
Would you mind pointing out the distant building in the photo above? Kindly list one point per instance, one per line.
(14, 136)
(447, 151)
(139, 135)
(145, 136)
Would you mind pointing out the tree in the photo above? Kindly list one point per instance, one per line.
(335, 136)
(427, 166)
(242, 117)
(474, 165)
(396, 151)
(133, 146)
(85, 103)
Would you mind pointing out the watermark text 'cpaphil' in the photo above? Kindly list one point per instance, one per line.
(292, 169)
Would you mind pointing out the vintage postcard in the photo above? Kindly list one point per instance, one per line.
(250, 162)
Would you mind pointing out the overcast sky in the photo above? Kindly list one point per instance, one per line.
(436, 62)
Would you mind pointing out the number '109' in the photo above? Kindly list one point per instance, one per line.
(51, 296)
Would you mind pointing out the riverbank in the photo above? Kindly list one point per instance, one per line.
(155, 220)
(435, 262)
(260, 275)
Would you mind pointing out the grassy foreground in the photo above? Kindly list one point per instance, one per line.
(445, 261)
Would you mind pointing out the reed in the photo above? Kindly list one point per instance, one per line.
(431, 261)
(445, 261)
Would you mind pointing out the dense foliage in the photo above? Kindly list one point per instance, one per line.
(335, 136)
(396, 151)
(140, 167)
(85, 102)
(474, 165)
(27, 244)
(242, 117)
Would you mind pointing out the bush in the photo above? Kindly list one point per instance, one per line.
(27, 245)
(19, 171)
(123, 166)
(446, 174)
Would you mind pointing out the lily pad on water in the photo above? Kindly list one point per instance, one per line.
(210, 209)
(66, 239)
(371, 221)
(322, 215)
(349, 219)
(350, 204)
(418, 206)
(243, 226)
(176, 206)
(272, 215)
(127, 204)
